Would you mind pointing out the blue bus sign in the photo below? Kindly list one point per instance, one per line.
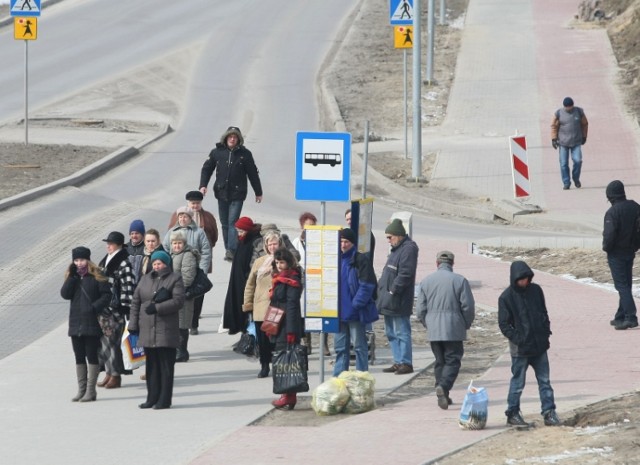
(323, 166)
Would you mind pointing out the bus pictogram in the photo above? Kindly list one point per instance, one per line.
(316, 159)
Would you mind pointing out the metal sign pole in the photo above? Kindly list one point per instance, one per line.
(26, 92)
(406, 104)
(416, 166)
(365, 160)
(323, 216)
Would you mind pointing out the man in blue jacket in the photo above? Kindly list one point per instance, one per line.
(357, 307)
(523, 319)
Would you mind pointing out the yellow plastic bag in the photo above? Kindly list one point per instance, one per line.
(361, 386)
(330, 397)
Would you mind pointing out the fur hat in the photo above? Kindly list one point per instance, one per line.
(178, 236)
(185, 210)
(567, 102)
(81, 252)
(232, 130)
(162, 256)
(349, 235)
(194, 195)
(115, 237)
(137, 226)
(245, 223)
(445, 257)
(396, 228)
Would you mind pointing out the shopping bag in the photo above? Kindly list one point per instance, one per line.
(290, 370)
(272, 319)
(475, 407)
(132, 355)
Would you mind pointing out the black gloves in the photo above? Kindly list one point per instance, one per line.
(554, 142)
(134, 332)
(584, 140)
(151, 309)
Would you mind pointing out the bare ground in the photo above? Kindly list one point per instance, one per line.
(603, 433)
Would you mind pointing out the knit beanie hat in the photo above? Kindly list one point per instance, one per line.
(162, 256)
(349, 235)
(396, 228)
(567, 102)
(137, 226)
(245, 223)
(81, 252)
(186, 210)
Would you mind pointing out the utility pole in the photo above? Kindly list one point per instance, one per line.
(416, 166)
(431, 31)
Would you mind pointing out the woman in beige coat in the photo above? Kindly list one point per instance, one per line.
(257, 298)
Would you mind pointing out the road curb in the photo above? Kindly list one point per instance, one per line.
(86, 174)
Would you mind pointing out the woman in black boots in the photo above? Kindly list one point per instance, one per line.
(89, 292)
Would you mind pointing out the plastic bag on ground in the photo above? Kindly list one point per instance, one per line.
(330, 397)
(475, 408)
(361, 386)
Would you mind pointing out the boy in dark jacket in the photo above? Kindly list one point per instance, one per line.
(523, 319)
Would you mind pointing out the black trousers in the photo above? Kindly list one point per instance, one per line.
(85, 349)
(264, 344)
(159, 371)
(448, 356)
(197, 311)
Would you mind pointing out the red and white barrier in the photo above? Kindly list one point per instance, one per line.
(519, 166)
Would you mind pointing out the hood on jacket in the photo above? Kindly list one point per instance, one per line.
(615, 191)
(519, 270)
(231, 130)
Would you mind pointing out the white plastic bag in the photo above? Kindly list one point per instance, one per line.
(361, 387)
(132, 355)
(475, 408)
(330, 397)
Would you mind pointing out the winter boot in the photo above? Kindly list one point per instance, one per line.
(92, 379)
(104, 381)
(264, 372)
(182, 355)
(286, 401)
(81, 374)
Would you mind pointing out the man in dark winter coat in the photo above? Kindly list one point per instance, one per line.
(523, 319)
(619, 239)
(233, 164)
(396, 290)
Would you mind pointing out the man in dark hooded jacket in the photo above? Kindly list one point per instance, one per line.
(233, 164)
(619, 241)
(523, 319)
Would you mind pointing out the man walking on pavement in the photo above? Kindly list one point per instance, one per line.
(446, 308)
(569, 133)
(620, 240)
(396, 289)
(233, 164)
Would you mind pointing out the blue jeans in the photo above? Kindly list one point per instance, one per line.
(576, 157)
(622, 273)
(350, 331)
(228, 213)
(398, 331)
(540, 365)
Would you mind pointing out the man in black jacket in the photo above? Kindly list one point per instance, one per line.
(523, 319)
(619, 241)
(233, 164)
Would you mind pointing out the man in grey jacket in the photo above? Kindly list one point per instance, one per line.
(568, 134)
(446, 308)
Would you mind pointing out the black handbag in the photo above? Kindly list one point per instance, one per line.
(200, 285)
(161, 295)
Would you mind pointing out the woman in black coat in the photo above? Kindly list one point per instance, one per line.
(285, 294)
(234, 319)
(89, 292)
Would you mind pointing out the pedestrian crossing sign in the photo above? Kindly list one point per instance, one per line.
(401, 12)
(25, 28)
(25, 8)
